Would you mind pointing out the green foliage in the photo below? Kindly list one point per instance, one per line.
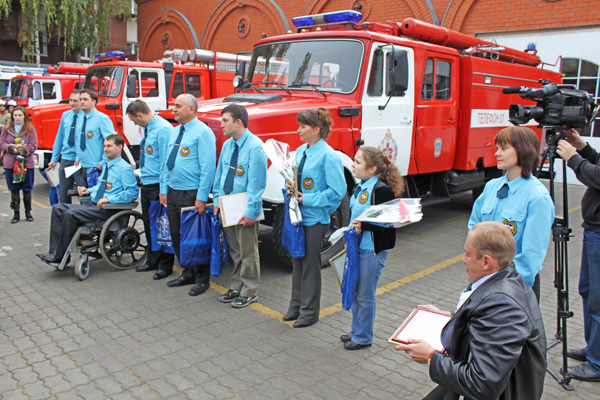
(82, 23)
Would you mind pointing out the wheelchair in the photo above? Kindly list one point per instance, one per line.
(120, 240)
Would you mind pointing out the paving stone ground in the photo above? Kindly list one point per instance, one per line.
(121, 335)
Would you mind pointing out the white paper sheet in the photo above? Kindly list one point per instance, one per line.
(427, 326)
(71, 170)
(233, 208)
(53, 175)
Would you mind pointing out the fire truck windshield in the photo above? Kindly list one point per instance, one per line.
(106, 81)
(329, 65)
(19, 88)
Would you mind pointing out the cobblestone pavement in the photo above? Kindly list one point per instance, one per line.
(121, 335)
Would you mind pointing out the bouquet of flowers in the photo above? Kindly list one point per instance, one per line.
(394, 213)
(279, 154)
(19, 169)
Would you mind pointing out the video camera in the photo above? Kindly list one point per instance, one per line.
(558, 108)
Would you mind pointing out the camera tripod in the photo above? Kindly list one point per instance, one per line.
(561, 234)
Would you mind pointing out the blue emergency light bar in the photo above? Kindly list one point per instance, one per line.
(328, 18)
(28, 73)
(110, 54)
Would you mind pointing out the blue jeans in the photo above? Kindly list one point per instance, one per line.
(589, 289)
(364, 304)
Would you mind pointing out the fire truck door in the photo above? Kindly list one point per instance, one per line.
(388, 127)
(150, 87)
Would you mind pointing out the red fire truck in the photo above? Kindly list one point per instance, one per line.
(119, 81)
(430, 98)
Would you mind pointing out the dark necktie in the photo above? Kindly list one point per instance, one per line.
(300, 169)
(469, 288)
(228, 186)
(102, 188)
(143, 148)
(503, 192)
(173, 155)
(357, 191)
(72, 132)
(82, 143)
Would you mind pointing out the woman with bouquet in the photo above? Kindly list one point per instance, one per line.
(18, 138)
(380, 181)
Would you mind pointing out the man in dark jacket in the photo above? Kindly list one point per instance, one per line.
(585, 162)
(495, 345)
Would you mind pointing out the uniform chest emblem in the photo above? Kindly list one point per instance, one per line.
(149, 150)
(108, 185)
(184, 152)
(511, 225)
(239, 171)
(364, 196)
(308, 183)
(437, 147)
(389, 147)
(89, 134)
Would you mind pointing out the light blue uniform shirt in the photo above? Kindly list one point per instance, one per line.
(155, 150)
(527, 211)
(250, 171)
(97, 128)
(61, 146)
(358, 204)
(195, 163)
(121, 183)
(323, 183)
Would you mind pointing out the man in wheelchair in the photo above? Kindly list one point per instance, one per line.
(118, 184)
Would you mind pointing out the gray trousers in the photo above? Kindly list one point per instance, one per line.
(65, 183)
(242, 245)
(306, 277)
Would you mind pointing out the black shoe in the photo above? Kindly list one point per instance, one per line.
(583, 372)
(299, 324)
(181, 281)
(243, 301)
(49, 258)
(351, 345)
(577, 354)
(199, 288)
(289, 317)
(145, 268)
(161, 275)
(345, 338)
(229, 296)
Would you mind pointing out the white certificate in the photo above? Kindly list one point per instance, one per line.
(423, 325)
(53, 176)
(233, 208)
(71, 170)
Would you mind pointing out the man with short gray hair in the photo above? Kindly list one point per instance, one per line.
(187, 176)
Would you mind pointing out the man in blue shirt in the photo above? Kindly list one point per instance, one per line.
(153, 149)
(64, 145)
(94, 128)
(187, 177)
(242, 168)
(117, 185)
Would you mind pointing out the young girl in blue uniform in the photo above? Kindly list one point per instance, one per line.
(321, 187)
(519, 201)
(380, 181)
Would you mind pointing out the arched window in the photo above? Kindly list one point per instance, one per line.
(585, 76)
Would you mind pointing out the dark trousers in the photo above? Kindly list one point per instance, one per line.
(306, 277)
(164, 261)
(176, 200)
(66, 218)
(65, 183)
(26, 186)
(81, 177)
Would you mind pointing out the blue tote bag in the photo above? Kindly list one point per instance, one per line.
(351, 268)
(218, 255)
(160, 231)
(196, 238)
(292, 236)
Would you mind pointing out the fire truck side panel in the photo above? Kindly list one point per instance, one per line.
(220, 83)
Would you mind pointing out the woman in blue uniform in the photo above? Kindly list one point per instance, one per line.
(380, 181)
(321, 187)
(519, 201)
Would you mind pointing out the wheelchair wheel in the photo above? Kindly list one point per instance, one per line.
(82, 268)
(123, 241)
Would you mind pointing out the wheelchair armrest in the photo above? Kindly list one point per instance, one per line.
(72, 192)
(120, 206)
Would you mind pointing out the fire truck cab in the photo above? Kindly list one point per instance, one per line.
(54, 86)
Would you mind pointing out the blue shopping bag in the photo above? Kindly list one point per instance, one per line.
(292, 236)
(196, 238)
(52, 191)
(160, 231)
(92, 176)
(218, 254)
(351, 268)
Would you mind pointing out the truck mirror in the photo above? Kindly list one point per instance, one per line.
(397, 73)
(241, 71)
(131, 85)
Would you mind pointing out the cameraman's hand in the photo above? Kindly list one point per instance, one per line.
(576, 140)
(565, 150)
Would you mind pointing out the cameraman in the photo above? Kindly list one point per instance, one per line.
(585, 162)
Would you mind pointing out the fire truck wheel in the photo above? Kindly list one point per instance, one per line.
(339, 218)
